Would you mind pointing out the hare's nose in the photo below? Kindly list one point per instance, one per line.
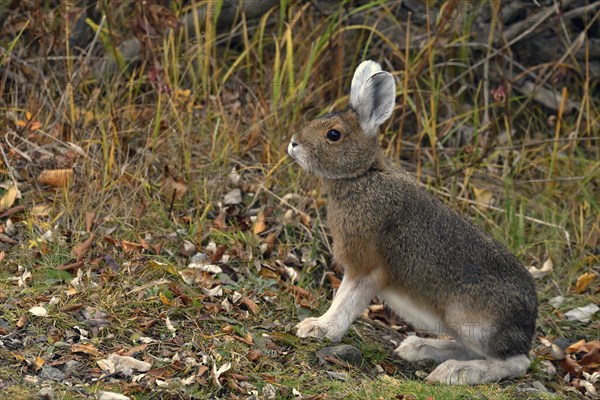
(293, 143)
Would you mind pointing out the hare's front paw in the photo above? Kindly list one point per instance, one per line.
(317, 328)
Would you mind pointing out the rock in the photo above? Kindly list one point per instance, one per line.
(46, 393)
(52, 373)
(342, 352)
(539, 386)
(72, 368)
(4, 326)
(199, 258)
(548, 368)
(562, 342)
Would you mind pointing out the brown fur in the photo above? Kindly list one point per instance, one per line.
(384, 223)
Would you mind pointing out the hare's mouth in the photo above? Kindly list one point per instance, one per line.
(297, 153)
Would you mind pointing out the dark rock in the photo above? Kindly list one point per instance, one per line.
(49, 372)
(343, 352)
(72, 368)
(562, 342)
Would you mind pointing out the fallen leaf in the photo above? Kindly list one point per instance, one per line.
(253, 355)
(170, 326)
(115, 363)
(87, 348)
(483, 197)
(39, 311)
(55, 177)
(556, 301)
(218, 372)
(217, 291)
(259, 226)
(211, 268)
(41, 210)
(9, 198)
(233, 197)
(582, 314)
(174, 188)
(130, 247)
(82, 248)
(103, 395)
(90, 218)
(39, 363)
(584, 281)
(591, 239)
(164, 299)
(252, 306)
(22, 321)
(539, 273)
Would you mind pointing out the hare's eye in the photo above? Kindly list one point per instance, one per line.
(333, 135)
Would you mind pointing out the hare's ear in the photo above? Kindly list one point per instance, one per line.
(372, 95)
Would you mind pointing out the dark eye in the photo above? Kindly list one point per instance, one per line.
(333, 135)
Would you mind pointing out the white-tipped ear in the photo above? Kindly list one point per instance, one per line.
(372, 95)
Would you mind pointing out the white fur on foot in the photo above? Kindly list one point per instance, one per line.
(475, 372)
(414, 348)
(410, 349)
(317, 328)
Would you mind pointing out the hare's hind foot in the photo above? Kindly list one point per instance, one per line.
(414, 348)
(475, 372)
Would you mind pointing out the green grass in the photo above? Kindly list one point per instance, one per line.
(231, 101)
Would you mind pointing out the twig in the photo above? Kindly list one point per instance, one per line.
(8, 166)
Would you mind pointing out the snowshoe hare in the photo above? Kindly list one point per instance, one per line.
(397, 242)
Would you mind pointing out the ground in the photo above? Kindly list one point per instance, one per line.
(157, 242)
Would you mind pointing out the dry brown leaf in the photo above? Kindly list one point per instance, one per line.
(334, 280)
(41, 210)
(9, 198)
(56, 177)
(305, 219)
(164, 299)
(219, 222)
(90, 218)
(176, 188)
(82, 248)
(134, 350)
(589, 346)
(218, 254)
(259, 226)
(591, 361)
(483, 197)
(584, 281)
(130, 247)
(253, 355)
(591, 239)
(39, 363)
(252, 306)
(22, 321)
(574, 348)
(147, 246)
(87, 348)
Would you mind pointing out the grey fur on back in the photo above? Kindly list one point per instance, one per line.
(436, 255)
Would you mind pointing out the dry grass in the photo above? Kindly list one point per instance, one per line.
(153, 148)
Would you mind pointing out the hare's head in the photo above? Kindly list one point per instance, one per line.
(344, 144)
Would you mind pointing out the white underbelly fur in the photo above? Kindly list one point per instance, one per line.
(421, 318)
